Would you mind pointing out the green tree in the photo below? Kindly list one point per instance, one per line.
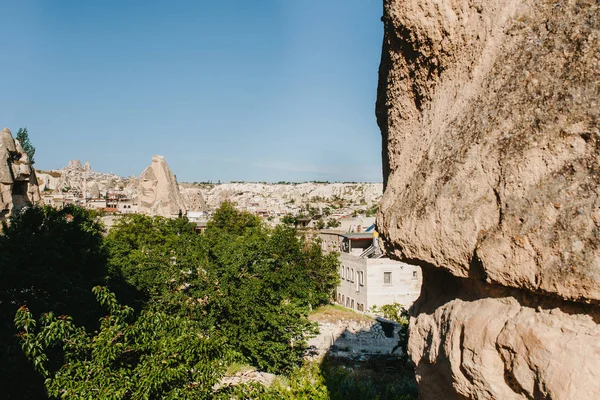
(145, 252)
(372, 211)
(49, 260)
(23, 138)
(255, 284)
(289, 219)
(153, 355)
(259, 284)
(244, 287)
(333, 223)
(320, 224)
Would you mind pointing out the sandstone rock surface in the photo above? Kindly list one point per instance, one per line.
(193, 198)
(74, 177)
(18, 183)
(489, 114)
(158, 191)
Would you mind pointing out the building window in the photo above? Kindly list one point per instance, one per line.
(342, 272)
(352, 275)
(343, 299)
(362, 278)
(387, 278)
(339, 298)
(414, 275)
(347, 273)
(352, 304)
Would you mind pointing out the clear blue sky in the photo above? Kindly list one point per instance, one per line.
(225, 90)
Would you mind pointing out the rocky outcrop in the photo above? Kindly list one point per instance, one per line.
(489, 114)
(193, 198)
(80, 179)
(158, 191)
(18, 183)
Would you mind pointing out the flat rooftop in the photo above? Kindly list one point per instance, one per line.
(358, 236)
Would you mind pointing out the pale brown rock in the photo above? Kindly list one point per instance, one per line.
(489, 114)
(158, 191)
(193, 198)
(18, 183)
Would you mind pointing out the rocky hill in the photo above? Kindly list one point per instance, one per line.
(157, 192)
(71, 179)
(489, 115)
(286, 196)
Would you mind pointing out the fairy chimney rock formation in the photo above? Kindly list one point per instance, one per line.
(158, 191)
(18, 184)
(94, 190)
(489, 115)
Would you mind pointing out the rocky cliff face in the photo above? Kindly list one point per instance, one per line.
(489, 114)
(192, 198)
(77, 178)
(158, 192)
(18, 184)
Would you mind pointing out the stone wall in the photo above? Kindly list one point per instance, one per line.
(489, 115)
(354, 338)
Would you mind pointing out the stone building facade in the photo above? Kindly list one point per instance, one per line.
(367, 278)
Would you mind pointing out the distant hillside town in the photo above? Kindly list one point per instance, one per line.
(342, 215)
(348, 206)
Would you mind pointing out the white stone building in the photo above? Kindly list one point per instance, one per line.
(367, 279)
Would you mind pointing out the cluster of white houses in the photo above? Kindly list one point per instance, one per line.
(115, 202)
(368, 279)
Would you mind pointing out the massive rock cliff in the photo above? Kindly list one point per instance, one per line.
(489, 114)
(18, 184)
(158, 192)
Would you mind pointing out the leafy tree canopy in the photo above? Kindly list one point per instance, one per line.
(49, 260)
(23, 138)
(241, 290)
(154, 355)
(254, 283)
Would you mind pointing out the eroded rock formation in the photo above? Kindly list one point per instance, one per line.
(489, 114)
(158, 192)
(18, 184)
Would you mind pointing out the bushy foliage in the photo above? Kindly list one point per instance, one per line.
(23, 138)
(333, 223)
(332, 379)
(154, 355)
(373, 379)
(262, 283)
(372, 211)
(303, 382)
(255, 284)
(241, 290)
(49, 260)
(146, 252)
